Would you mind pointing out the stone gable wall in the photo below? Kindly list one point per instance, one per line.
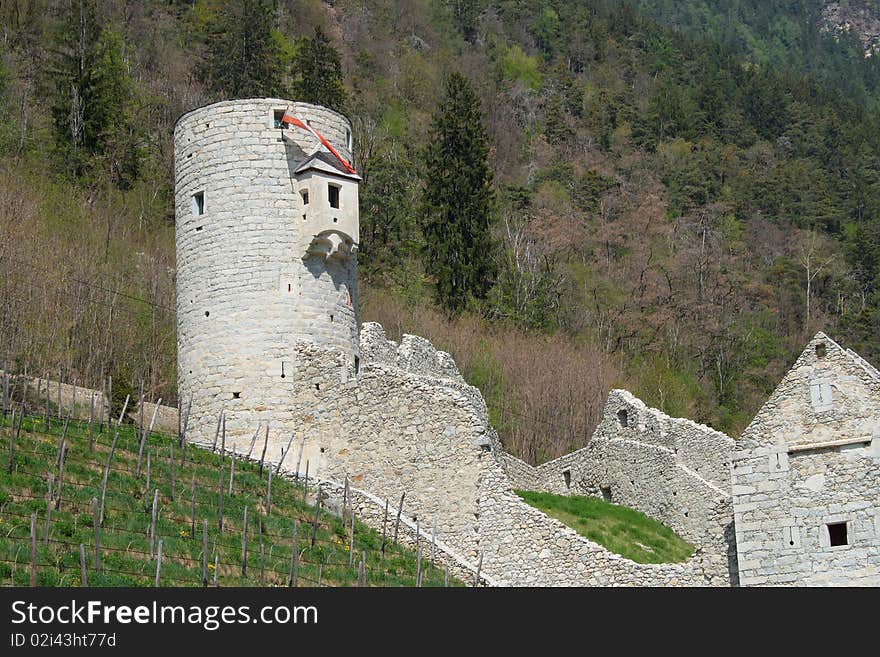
(803, 466)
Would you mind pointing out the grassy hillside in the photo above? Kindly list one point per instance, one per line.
(624, 531)
(126, 558)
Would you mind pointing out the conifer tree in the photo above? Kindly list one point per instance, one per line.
(243, 58)
(91, 96)
(459, 201)
(318, 73)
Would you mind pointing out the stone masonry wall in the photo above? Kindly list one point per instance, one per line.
(671, 469)
(246, 293)
(811, 458)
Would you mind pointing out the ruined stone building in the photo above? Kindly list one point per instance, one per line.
(806, 475)
(269, 343)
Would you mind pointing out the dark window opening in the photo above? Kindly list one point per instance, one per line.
(357, 364)
(685, 514)
(277, 115)
(322, 450)
(623, 418)
(198, 228)
(318, 386)
(289, 287)
(821, 350)
(207, 313)
(305, 196)
(606, 493)
(567, 476)
(198, 204)
(304, 217)
(331, 319)
(236, 395)
(333, 195)
(837, 534)
(335, 220)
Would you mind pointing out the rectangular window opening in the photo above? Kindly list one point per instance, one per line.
(567, 476)
(305, 196)
(606, 493)
(837, 534)
(333, 195)
(277, 115)
(198, 204)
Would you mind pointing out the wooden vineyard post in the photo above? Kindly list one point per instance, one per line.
(153, 523)
(284, 453)
(61, 477)
(265, 445)
(173, 478)
(302, 444)
(107, 472)
(205, 552)
(294, 556)
(101, 417)
(192, 513)
(397, 522)
(351, 542)
(49, 500)
(147, 487)
(244, 526)
(232, 470)
(33, 549)
(91, 420)
(217, 431)
(97, 527)
(159, 563)
(418, 558)
(384, 527)
(254, 440)
(145, 435)
(269, 494)
(83, 579)
(220, 501)
(315, 520)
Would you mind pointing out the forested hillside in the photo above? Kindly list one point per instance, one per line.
(677, 194)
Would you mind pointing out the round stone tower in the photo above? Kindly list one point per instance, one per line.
(267, 232)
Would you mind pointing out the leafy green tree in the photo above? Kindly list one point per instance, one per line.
(92, 94)
(459, 201)
(243, 58)
(318, 73)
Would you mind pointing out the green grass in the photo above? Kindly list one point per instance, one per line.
(124, 537)
(622, 530)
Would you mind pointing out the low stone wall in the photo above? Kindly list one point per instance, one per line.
(525, 547)
(671, 469)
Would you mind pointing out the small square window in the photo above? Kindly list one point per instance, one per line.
(821, 350)
(198, 204)
(837, 534)
(305, 196)
(333, 195)
(277, 116)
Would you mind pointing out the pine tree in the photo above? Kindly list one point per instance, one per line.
(243, 59)
(91, 94)
(318, 72)
(458, 200)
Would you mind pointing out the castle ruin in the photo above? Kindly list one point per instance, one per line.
(270, 347)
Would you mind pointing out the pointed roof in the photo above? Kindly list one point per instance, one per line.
(326, 163)
(798, 412)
